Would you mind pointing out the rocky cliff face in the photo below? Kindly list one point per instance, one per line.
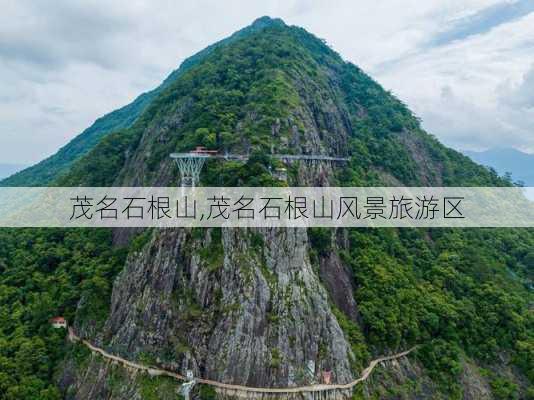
(254, 306)
(237, 306)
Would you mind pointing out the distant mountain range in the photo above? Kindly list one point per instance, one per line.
(503, 160)
(265, 308)
(9, 169)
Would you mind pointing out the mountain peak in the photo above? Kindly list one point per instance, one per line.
(266, 21)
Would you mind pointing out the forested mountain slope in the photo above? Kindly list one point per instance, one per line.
(252, 306)
(46, 171)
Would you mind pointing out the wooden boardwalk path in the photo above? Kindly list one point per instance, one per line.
(153, 371)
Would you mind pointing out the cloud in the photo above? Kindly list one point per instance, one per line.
(473, 93)
(63, 63)
(482, 21)
(54, 36)
(463, 124)
(520, 96)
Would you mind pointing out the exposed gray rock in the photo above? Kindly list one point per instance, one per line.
(475, 386)
(253, 315)
(400, 379)
(337, 279)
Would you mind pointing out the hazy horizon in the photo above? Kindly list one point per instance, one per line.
(466, 68)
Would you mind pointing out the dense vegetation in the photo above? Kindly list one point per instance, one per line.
(231, 100)
(57, 165)
(459, 293)
(44, 273)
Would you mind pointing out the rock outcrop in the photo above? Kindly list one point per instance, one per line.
(257, 306)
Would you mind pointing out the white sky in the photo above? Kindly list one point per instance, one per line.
(466, 67)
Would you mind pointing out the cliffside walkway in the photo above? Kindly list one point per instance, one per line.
(239, 389)
(241, 157)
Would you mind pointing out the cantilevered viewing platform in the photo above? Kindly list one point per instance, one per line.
(190, 164)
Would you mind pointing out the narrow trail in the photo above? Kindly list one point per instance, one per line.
(226, 386)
